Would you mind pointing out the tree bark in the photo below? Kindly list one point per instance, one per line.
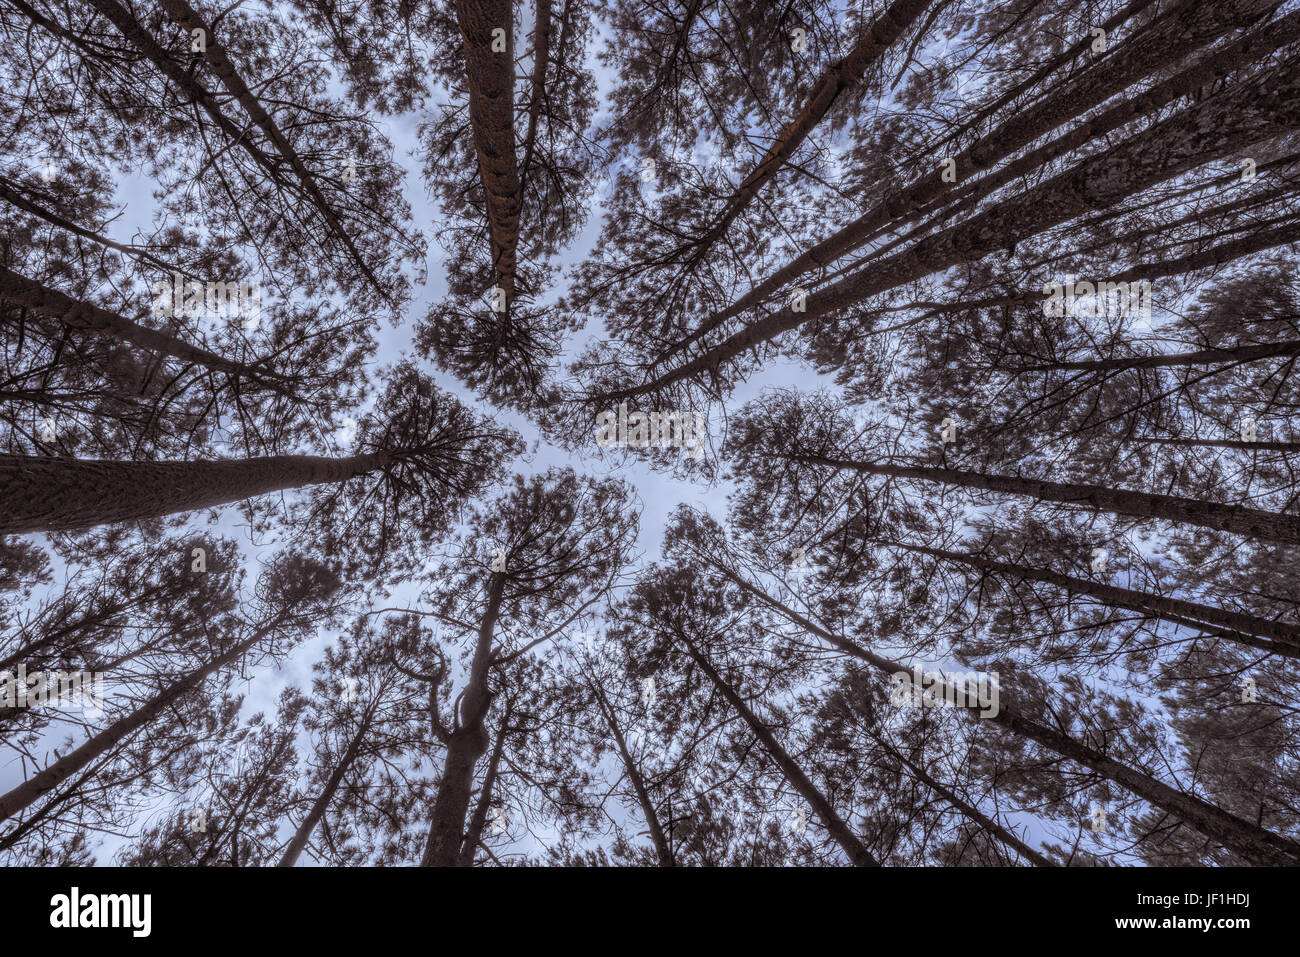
(1274, 636)
(468, 742)
(479, 818)
(490, 78)
(49, 778)
(1237, 519)
(849, 842)
(47, 494)
(75, 314)
(322, 802)
(541, 57)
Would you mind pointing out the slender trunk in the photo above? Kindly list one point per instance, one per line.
(1280, 164)
(1130, 62)
(541, 57)
(1005, 835)
(52, 776)
(1274, 636)
(849, 842)
(478, 819)
(322, 802)
(1213, 257)
(1237, 519)
(51, 808)
(468, 741)
(662, 850)
(249, 799)
(838, 77)
(1160, 238)
(13, 194)
(1244, 838)
(1261, 446)
(75, 314)
(1257, 109)
(491, 80)
(1127, 15)
(1201, 357)
(185, 82)
(46, 494)
(215, 55)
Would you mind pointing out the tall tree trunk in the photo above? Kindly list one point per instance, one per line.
(1151, 270)
(467, 743)
(185, 82)
(973, 813)
(849, 842)
(46, 494)
(52, 776)
(322, 802)
(657, 837)
(51, 809)
(839, 76)
(75, 314)
(491, 81)
(474, 836)
(1261, 445)
(215, 55)
(1275, 636)
(1201, 357)
(1244, 838)
(1081, 47)
(1259, 108)
(13, 194)
(541, 57)
(1237, 519)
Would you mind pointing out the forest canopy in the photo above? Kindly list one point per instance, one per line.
(613, 433)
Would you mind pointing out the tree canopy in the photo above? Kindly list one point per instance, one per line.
(610, 433)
